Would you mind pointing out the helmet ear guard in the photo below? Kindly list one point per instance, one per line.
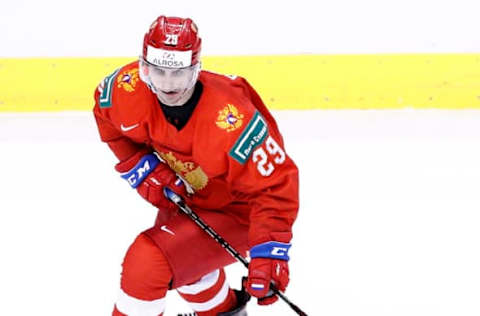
(144, 73)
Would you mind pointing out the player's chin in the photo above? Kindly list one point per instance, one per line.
(169, 97)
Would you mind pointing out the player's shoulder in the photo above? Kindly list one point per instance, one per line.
(229, 83)
(228, 104)
(122, 88)
(239, 125)
(227, 89)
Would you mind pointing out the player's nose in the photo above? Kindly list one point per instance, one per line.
(167, 85)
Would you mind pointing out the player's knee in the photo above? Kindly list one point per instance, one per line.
(146, 273)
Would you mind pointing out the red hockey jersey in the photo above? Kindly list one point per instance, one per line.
(230, 151)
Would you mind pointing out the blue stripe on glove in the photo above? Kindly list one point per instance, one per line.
(271, 249)
(141, 170)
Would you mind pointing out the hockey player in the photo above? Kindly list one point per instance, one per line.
(210, 138)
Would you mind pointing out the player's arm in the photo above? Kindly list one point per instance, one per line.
(138, 164)
(266, 175)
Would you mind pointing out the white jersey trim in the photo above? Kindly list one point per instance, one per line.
(132, 306)
(206, 282)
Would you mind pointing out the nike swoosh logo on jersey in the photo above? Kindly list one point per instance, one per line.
(165, 229)
(128, 128)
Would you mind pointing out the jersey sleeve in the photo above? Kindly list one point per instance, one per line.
(122, 146)
(263, 174)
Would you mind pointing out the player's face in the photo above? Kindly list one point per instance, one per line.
(173, 85)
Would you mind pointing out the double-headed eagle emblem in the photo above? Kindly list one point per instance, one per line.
(128, 79)
(229, 118)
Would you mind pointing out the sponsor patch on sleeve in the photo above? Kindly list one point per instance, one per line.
(252, 136)
(106, 95)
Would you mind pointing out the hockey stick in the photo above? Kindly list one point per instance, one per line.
(175, 198)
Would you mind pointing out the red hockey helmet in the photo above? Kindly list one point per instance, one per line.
(176, 35)
(170, 60)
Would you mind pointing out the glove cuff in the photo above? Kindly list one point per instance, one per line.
(272, 250)
(140, 170)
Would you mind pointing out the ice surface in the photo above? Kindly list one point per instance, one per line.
(389, 219)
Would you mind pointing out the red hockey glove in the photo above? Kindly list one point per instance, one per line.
(269, 264)
(147, 174)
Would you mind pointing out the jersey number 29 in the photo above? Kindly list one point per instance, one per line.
(260, 157)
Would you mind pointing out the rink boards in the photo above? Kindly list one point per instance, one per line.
(395, 81)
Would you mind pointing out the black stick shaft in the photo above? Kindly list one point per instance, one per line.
(175, 198)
